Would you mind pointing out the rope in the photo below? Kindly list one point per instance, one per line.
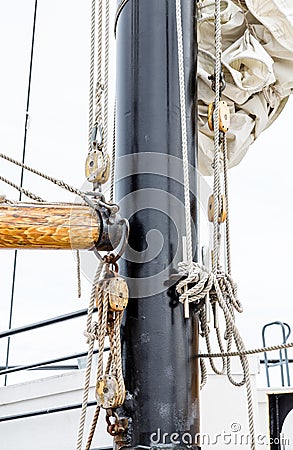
(114, 364)
(217, 187)
(99, 62)
(247, 352)
(112, 177)
(184, 130)
(225, 290)
(91, 335)
(198, 285)
(53, 180)
(78, 273)
(226, 191)
(98, 121)
(22, 190)
(92, 72)
(204, 373)
(105, 326)
(102, 318)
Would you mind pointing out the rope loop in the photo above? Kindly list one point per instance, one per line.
(92, 335)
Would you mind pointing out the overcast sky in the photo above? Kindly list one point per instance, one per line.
(260, 187)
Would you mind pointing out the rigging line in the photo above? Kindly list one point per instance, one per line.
(113, 161)
(184, 141)
(21, 177)
(22, 190)
(253, 351)
(106, 71)
(53, 180)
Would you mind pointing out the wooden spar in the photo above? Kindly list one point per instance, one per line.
(49, 226)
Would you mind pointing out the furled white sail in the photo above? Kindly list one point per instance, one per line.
(257, 58)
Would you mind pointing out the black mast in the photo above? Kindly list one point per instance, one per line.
(158, 343)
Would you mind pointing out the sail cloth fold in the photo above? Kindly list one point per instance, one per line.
(257, 60)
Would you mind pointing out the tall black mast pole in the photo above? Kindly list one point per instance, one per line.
(158, 342)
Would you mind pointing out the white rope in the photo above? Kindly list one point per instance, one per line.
(226, 190)
(119, 10)
(254, 351)
(22, 190)
(91, 334)
(227, 302)
(92, 72)
(106, 71)
(113, 158)
(217, 188)
(53, 180)
(101, 118)
(220, 289)
(78, 270)
(184, 131)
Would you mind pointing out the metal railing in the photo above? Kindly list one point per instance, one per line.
(46, 364)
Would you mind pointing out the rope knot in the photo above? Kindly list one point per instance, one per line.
(91, 335)
(196, 284)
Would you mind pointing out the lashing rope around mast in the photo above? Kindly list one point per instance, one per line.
(214, 289)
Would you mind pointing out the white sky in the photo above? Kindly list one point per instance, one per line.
(260, 187)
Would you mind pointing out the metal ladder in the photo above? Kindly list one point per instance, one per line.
(283, 355)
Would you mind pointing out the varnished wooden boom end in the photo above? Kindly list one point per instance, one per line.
(49, 226)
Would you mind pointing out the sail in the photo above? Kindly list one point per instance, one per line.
(257, 62)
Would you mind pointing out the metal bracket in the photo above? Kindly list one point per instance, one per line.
(114, 236)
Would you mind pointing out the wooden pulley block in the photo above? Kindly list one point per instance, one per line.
(107, 390)
(224, 116)
(118, 293)
(97, 167)
(222, 212)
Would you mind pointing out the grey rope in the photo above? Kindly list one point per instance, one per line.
(91, 335)
(99, 84)
(40, 200)
(118, 12)
(216, 188)
(106, 71)
(102, 315)
(220, 289)
(92, 72)
(113, 160)
(78, 273)
(246, 352)
(184, 130)
(55, 181)
(226, 190)
(232, 332)
(101, 112)
(100, 42)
